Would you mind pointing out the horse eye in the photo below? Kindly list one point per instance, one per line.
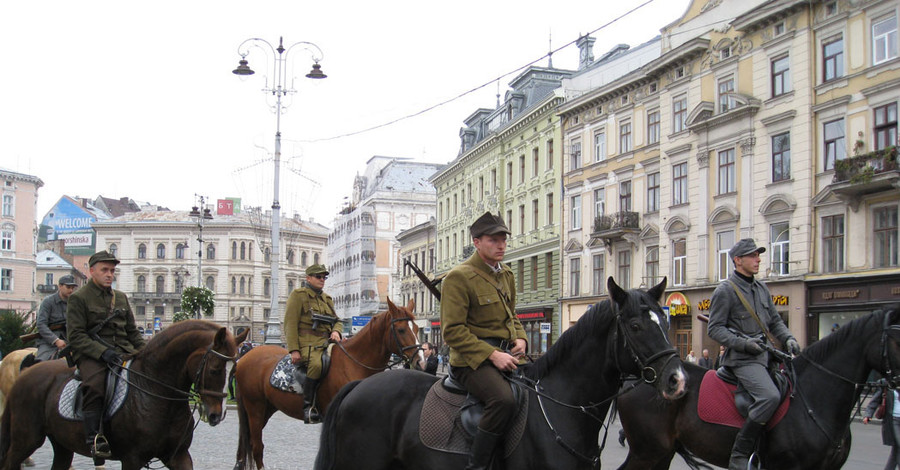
(636, 326)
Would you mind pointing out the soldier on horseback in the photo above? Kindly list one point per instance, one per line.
(101, 329)
(51, 320)
(742, 315)
(309, 322)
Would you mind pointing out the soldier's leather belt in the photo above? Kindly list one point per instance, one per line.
(308, 331)
(503, 344)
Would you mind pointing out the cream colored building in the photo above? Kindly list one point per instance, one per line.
(416, 246)
(18, 241)
(159, 257)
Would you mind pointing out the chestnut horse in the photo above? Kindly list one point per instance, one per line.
(365, 354)
(155, 421)
(10, 368)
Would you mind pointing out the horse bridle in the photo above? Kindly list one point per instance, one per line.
(399, 351)
(648, 374)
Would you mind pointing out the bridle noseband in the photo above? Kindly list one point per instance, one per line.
(198, 378)
(648, 374)
(396, 348)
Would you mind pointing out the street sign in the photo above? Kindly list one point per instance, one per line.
(545, 328)
(357, 323)
(157, 323)
(427, 330)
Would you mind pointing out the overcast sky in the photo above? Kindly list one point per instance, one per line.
(137, 99)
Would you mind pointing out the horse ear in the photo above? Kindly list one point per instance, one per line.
(411, 305)
(658, 290)
(616, 292)
(391, 306)
(221, 335)
(242, 336)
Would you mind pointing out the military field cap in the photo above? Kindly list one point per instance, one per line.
(745, 247)
(102, 256)
(489, 224)
(67, 280)
(316, 269)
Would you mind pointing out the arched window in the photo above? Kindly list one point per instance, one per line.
(243, 250)
(179, 284)
(266, 287)
(160, 284)
(114, 249)
(160, 251)
(250, 251)
(142, 251)
(290, 257)
(211, 283)
(243, 285)
(233, 250)
(303, 259)
(291, 285)
(141, 284)
(316, 258)
(268, 255)
(210, 251)
(179, 251)
(234, 285)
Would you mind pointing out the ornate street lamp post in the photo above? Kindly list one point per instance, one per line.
(279, 89)
(199, 216)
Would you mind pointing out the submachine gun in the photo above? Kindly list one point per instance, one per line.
(318, 319)
(431, 284)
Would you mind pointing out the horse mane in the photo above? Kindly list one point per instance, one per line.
(822, 349)
(593, 323)
(161, 340)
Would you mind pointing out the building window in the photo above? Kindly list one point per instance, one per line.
(778, 29)
(521, 169)
(885, 126)
(574, 276)
(179, 251)
(179, 283)
(652, 273)
(625, 196)
(211, 283)
(303, 258)
(267, 286)
(653, 192)
(550, 209)
(886, 237)
(316, 258)
(548, 271)
(243, 250)
(142, 251)
(726, 171)
(521, 219)
(653, 127)
(575, 156)
(233, 250)
(679, 184)
(456, 196)
(726, 99)
(679, 114)
(780, 235)
(9, 205)
(781, 157)
(142, 283)
(534, 214)
(535, 162)
(599, 273)
(534, 273)
(267, 255)
(599, 202)
(243, 285)
(624, 273)
(6, 240)
(884, 39)
(835, 147)
(234, 285)
(600, 146)
(781, 76)
(550, 154)
(6, 279)
(520, 275)
(679, 262)
(160, 251)
(493, 187)
(625, 137)
(290, 286)
(113, 249)
(833, 243)
(160, 284)
(724, 242)
(509, 180)
(576, 212)
(211, 251)
(290, 257)
(833, 59)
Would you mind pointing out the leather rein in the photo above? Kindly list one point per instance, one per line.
(396, 347)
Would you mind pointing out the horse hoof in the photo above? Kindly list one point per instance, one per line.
(29, 462)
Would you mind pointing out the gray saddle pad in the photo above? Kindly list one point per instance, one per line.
(72, 390)
(282, 376)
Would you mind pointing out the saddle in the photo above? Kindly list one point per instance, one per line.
(450, 417)
(288, 378)
(70, 400)
(722, 400)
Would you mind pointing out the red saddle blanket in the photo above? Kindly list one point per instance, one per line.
(716, 403)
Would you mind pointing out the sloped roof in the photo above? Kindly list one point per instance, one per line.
(48, 259)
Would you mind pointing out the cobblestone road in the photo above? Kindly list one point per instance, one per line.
(291, 445)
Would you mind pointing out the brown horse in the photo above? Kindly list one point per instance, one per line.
(10, 368)
(155, 421)
(365, 354)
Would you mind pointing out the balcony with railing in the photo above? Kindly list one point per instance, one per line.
(614, 227)
(866, 174)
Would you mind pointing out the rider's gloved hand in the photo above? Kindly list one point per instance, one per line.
(793, 347)
(111, 357)
(752, 346)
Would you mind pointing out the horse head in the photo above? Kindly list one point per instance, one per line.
(209, 364)
(403, 335)
(884, 353)
(644, 346)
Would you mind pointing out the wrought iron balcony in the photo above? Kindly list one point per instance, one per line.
(865, 174)
(47, 288)
(614, 227)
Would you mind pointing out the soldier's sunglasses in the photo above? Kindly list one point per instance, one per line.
(320, 276)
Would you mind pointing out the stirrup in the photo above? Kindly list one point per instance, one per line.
(100, 449)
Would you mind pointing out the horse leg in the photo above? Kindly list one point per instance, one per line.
(257, 423)
(180, 461)
(62, 457)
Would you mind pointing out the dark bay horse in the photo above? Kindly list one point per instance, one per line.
(365, 354)
(374, 424)
(156, 419)
(814, 434)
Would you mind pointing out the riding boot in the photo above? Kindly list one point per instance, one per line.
(310, 413)
(482, 450)
(744, 445)
(96, 442)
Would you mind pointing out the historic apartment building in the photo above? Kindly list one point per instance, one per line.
(18, 241)
(508, 164)
(416, 247)
(739, 129)
(159, 257)
(394, 194)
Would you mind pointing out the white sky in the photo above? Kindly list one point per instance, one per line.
(136, 99)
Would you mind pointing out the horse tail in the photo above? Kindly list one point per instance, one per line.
(4, 434)
(692, 462)
(327, 447)
(245, 449)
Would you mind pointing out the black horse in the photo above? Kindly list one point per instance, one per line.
(374, 424)
(815, 432)
(155, 421)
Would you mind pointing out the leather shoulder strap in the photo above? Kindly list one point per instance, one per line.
(752, 312)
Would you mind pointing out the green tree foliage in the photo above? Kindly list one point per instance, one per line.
(193, 300)
(12, 325)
